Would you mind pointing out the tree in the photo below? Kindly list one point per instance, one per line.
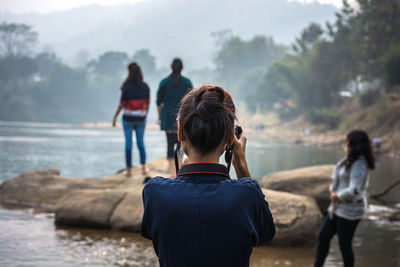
(237, 58)
(16, 39)
(308, 37)
(111, 63)
(391, 67)
(145, 60)
(378, 27)
(272, 88)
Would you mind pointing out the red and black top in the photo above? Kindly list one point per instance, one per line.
(135, 100)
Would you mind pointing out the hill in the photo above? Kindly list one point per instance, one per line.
(168, 27)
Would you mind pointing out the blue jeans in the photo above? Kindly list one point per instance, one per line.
(345, 230)
(139, 127)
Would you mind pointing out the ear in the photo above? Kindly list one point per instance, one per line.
(181, 134)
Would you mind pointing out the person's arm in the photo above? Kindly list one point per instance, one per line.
(122, 102)
(148, 99)
(114, 122)
(160, 98)
(335, 182)
(190, 85)
(263, 220)
(145, 228)
(239, 157)
(265, 225)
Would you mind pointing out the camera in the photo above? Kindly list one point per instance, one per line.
(238, 131)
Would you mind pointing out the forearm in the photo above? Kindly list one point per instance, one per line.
(159, 108)
(241, 168)
(117, 112)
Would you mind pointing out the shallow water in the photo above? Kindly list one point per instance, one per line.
(28, 239)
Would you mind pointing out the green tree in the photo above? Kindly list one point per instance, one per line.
(146, 61)
(308, 37)
(16, 39)
(272, 88)
(236, 58)
(391, 67)
(111, 63)
(378, 27)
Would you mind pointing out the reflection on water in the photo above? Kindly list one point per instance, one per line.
(28, 239)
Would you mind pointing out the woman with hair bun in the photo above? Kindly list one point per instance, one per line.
(348, 198)
(203, 217)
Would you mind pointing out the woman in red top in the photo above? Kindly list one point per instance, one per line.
(135, 100)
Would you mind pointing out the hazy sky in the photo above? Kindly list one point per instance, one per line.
(46, 6)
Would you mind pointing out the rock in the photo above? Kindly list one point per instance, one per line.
(297, 218)
(394, 216)
(89, 208)
(159, 165)
(310, 181)
(128, 214)
(46, 187)
(116, 202)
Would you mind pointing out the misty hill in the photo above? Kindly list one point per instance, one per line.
(168, 27)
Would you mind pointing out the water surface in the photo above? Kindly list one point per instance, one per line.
(28, 239)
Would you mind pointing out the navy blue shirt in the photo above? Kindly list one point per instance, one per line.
(204, 218)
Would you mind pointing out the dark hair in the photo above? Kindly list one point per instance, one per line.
(207, 117)
(359, 144)
(176, 67)
(135, 75)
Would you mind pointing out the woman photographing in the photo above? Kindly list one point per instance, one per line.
(203, 217)
(348, 198)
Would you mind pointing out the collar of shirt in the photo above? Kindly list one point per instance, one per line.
(212, 171)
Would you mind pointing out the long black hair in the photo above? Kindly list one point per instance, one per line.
(359, 144)
(176, 67)
(135, 75)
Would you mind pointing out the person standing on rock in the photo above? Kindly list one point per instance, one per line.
(348, 198)
(203, 217)
(135, 101)
(169, 95)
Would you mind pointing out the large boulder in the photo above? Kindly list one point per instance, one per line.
(116, 202)
(127, 216)
(89, 208)
(43, 188)
(297, 218)
(309, 181)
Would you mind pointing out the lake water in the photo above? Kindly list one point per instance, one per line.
(28, 239)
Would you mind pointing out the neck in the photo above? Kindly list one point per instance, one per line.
(195, 157)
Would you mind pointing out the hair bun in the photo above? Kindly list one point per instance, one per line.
(209, 103)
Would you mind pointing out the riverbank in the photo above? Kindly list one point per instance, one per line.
(380, 120)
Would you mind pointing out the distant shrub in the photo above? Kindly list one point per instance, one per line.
(327, 117)
(288, 113)
(391, 65)
(369, 97)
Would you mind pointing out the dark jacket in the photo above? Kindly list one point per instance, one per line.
(204, 218)
(169, 95)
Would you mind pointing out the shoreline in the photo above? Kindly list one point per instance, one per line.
(287, 132)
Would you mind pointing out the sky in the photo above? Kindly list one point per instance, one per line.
(48, 6)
